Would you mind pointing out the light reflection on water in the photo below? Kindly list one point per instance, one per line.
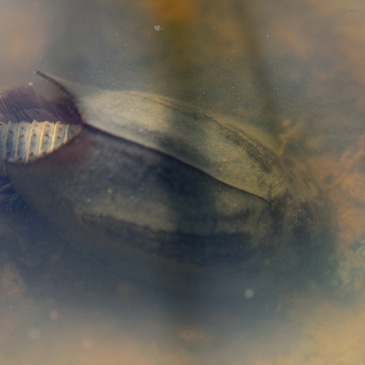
(306, 79)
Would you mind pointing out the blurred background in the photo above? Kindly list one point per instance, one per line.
(293, 68)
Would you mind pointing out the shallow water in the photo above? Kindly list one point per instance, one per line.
(293, 68)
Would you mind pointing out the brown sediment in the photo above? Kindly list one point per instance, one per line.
(344, 181)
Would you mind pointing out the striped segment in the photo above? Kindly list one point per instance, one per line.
(24, 141)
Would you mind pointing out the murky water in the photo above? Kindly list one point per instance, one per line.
(293, 68)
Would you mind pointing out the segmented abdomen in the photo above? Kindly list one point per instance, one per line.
(26, 141)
